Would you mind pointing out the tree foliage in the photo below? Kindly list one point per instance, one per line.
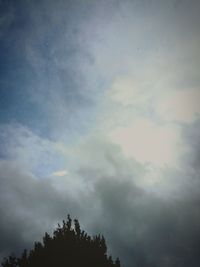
(69, 246)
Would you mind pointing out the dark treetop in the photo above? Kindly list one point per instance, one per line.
(69, 246)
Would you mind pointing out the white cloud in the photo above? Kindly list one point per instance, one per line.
(181, 106)
(148, 142)
(127, 91)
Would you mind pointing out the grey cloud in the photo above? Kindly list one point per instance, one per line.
(142, 228)
(191, 136)
(145, 230)
(29, 207)
(32, 152)
(139, 227)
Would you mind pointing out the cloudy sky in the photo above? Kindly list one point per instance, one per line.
(100, 118)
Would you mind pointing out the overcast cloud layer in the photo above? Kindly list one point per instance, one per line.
(100, 118)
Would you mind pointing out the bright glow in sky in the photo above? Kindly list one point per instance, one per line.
(181, 106)
(147, 142)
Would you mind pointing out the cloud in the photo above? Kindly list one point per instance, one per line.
(59, 173)
(142, 227)
(150, 231)
(181, 106)
(47, 93)
(148, 142)
(29, 207)
(128, 91)
(32, 152)
(112, 89)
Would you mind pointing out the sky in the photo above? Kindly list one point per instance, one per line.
(100, 118)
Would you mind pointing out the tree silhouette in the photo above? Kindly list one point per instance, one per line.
(69, 246)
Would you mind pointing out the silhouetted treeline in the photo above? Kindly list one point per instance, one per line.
(69, 246)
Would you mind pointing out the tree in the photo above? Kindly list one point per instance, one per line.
(69, 246)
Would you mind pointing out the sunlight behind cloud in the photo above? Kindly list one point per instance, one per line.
(147, 142)
(181, 106)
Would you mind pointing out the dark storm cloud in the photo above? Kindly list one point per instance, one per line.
(140, 228)
(192, 136)
(28, 207)
(144, 230)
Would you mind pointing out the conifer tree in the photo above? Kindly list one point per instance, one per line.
(69, 246)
